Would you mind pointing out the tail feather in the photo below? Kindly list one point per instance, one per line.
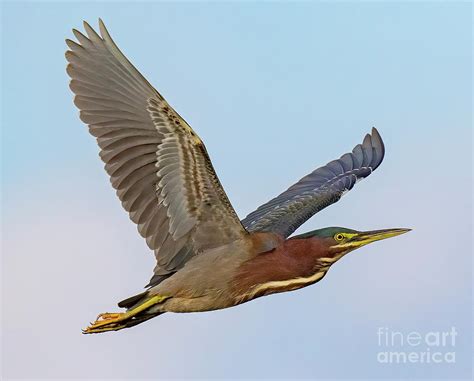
(133, 300)
(141, 319)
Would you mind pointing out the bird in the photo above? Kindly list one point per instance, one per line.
(206, 257)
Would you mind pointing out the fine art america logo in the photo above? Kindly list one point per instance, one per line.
(432, 347)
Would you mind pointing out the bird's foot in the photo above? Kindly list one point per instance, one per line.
(108, 316)
(106, 322)
(113, 321)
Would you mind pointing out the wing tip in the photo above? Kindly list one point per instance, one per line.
(78, 34)
(103, 30)
(376, 136)
(91, 33)
(378, 145)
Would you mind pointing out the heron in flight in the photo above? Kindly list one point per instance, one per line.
(206, 257)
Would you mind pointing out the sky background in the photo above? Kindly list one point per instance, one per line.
(274, 90)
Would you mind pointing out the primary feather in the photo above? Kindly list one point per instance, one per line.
(322, 187)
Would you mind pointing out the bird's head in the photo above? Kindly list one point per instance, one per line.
(335, 242)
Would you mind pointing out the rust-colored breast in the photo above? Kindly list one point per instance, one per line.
(291, 264)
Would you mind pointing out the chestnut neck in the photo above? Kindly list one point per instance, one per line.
(295, 258)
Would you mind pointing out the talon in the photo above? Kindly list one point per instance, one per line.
(105, 320)
(108, 316)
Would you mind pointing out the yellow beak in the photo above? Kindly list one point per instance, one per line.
(364, 238)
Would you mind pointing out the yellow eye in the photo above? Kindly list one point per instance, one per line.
(339, 237)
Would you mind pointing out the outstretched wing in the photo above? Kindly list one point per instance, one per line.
(156, 162)
(321, 188)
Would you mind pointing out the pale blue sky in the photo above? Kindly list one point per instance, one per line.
(274, 90)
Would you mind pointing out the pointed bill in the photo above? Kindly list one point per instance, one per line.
(376, 235)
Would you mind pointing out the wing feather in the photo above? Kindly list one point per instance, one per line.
(324, 186)
(156, 162)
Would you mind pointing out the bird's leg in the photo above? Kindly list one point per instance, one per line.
(115, 321)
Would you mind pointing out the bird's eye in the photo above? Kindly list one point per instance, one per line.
(339, 237)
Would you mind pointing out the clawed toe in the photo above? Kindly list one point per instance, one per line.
(108, 316)
(105, 322)
(114, 321)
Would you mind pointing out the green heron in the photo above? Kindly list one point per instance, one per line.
(206, 258)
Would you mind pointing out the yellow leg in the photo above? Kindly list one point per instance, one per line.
(111, 321)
